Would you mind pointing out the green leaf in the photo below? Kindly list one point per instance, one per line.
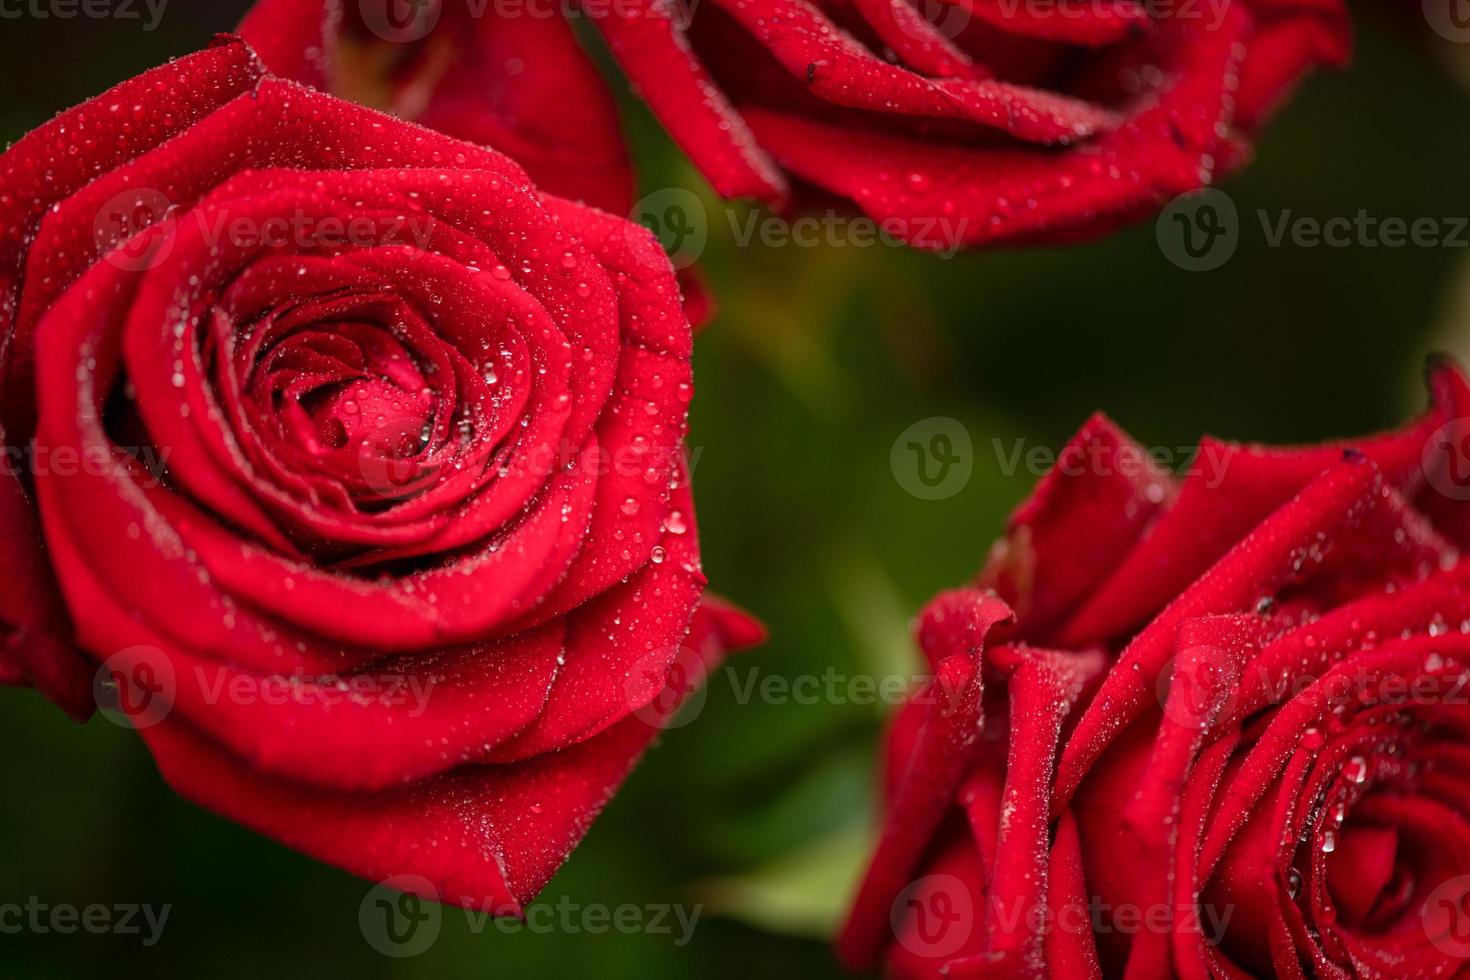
(803, 893)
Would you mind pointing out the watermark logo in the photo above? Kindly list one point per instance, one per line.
(1213, 12)
(942, 17)
(681, 223)
(1199, 231)
(667, 694)
(119, 221)
(677, 218)
(389, 459)
(150, 12)
(36, 459)
(1194, 689)
(135, 687)
(1450, 19)
(934, 916)
(41, 918)
(1446, 917)
(138, 687)
(941, 236)
(933, 458)
(400, 21)
(1208, 463)
(117, 225)
(401, 916)
(1446, 459)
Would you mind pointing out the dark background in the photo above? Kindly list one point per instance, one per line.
(819, 360)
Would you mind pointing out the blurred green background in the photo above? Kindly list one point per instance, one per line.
(756, 812)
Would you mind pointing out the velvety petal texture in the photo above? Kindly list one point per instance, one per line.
(953, 123)
(1223, 727)
(354, 459)
(971, 122)
(512, 77)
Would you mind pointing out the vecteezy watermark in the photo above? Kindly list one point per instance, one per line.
(139, 686)
(1206, 462)
(401, 21)
(685, 688)
(1445, 916)
(948, 19)
(933, 458)
(677, 218)
(401, 917)
(392, 476)
(926, 18)
(832, 687)
(1191, 687)
(936, 915)
(1446, 459)
(148, 12)
(135, 687)
(1450, 19)
(568, 918)
(409, 21)
(679, 12)
(681, 223)
(1363, 230)
(1200, 231)
(1197, 687)
(666, 688)
(1212, 12)
(36, 459)
(118, 226)
(37, 917)
(939, 234)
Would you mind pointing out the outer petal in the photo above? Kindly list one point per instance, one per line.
(952, 630)
(34, 632)
(295, 38)
(486, 837)
(1336, 506)
(656, 57)
(1082, 519)
(41, 170)
(524, 86)
(521, 84)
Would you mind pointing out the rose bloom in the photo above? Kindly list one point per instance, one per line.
(950, 122)
(513, 78)
(506, 74)
(358, 464)
(1213, 726)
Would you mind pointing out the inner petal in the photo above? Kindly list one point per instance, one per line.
(1364, 875)
(351, 397)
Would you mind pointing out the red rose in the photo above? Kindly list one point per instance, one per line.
(521, 84)
(1213, 727)
(965, 122)
(951, 122)
(508, 74)
(358, 463)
